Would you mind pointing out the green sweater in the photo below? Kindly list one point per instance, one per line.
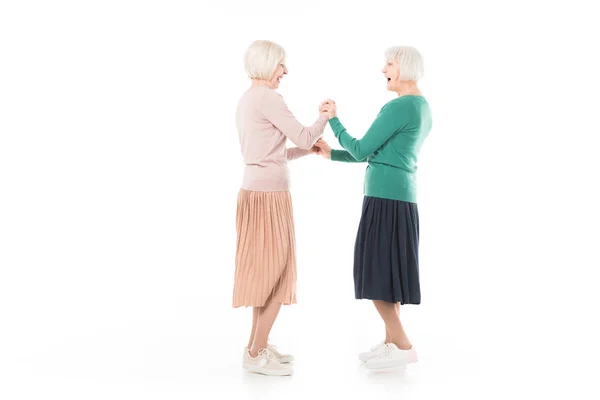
(391, 147)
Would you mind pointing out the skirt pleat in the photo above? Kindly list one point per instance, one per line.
(265, 265)
(386, 256)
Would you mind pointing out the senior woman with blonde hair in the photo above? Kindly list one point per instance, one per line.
(386, 261)
(265, 266)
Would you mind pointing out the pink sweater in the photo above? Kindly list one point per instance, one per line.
(264, 123)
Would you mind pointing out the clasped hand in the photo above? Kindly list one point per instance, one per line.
(321, 147)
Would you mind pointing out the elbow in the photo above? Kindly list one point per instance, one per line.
(305, 146)
(358, 156)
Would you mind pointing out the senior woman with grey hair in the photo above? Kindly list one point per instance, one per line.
(386, 261)
(265, 265)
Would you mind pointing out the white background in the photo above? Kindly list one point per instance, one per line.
(120, 166)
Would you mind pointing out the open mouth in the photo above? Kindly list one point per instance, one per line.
(389, 79)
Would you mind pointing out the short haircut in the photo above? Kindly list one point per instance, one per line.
(409, 60)
(262, 58)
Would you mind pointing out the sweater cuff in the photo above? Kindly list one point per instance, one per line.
(335, 155)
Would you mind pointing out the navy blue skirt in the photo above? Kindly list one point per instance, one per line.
(386, 253)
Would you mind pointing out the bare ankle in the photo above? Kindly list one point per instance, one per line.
(254, 351)
(403, 345)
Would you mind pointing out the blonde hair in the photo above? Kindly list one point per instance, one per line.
(409, 60)
(262, 58)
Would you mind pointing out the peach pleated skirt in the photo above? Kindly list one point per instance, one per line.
(265, 264)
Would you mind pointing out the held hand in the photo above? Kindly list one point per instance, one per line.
(328, 107)
(323, 148)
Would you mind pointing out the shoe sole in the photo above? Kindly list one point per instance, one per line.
(391, 364)
(261, 371)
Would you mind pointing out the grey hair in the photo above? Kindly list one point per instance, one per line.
(262, 58)
(409, 60)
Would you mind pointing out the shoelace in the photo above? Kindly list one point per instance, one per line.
(377, 346)
(268, 354)
(274, 350)
(388, 350)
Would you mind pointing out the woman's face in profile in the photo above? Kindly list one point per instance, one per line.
(277, 76)
(391, 71)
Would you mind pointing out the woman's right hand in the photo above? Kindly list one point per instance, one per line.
(328, 107)
(323, 148)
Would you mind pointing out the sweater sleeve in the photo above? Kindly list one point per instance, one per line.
(296, 152)
(343, 156)
(389, 121)
(276, 111)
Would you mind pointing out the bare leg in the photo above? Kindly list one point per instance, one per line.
(388, 338)
(389, 314)
(255, 312)
(266, 318)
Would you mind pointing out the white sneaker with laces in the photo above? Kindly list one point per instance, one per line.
(282, 358)
(375, 351)
(392, 356)
(265, 363)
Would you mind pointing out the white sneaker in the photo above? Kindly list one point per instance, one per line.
(265, 363)
(392, 356)
(374, 352)
(282, 358)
